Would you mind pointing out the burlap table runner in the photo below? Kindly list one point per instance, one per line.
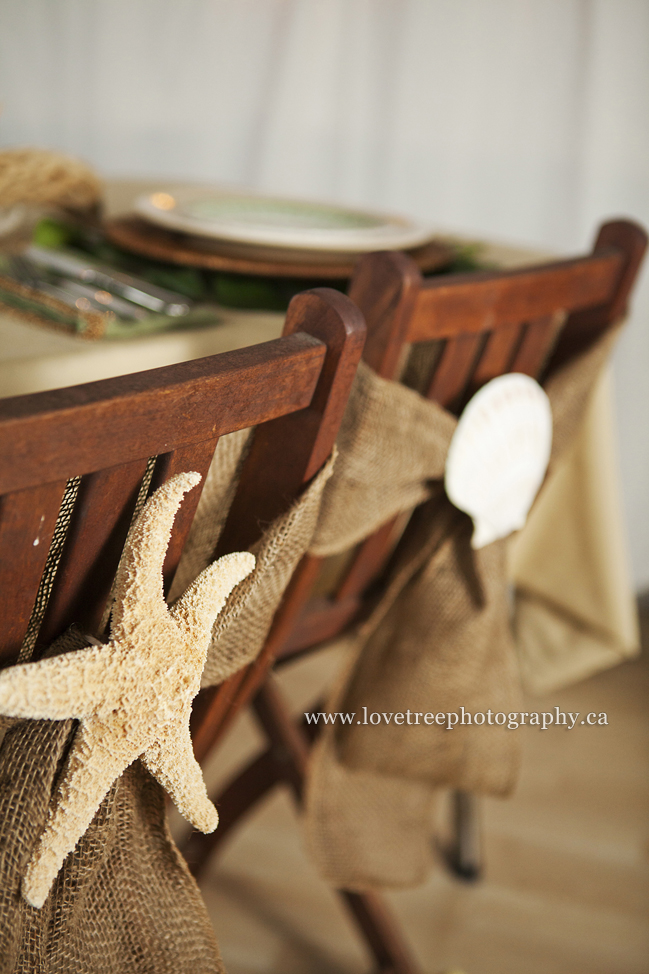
(440, 640)
(124, 900)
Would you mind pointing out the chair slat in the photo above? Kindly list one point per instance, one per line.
(98, 527)
(485, 300)
(286, 452)
(364, 567)
(497, 355)
(155, 412)
(454, 369)
(28, 514)
(194, 456)
(537, 344)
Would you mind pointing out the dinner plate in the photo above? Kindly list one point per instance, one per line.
(257, 221)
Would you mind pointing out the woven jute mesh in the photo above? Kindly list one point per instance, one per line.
(391, 443)
(217, 495)
(41, 177)
(242, 625)
(439, 640)
(124, 900)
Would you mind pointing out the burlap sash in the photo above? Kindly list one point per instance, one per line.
(124, 900)
(391, 443)
(440, 640)
(242, 625)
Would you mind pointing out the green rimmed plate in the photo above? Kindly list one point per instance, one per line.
(270, 225)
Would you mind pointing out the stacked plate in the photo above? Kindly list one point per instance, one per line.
(251, 233)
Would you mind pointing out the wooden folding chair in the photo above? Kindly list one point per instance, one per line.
(293, 390)
(485, 324)
(75, 463)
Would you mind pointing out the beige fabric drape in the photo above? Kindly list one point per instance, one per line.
(574, 611)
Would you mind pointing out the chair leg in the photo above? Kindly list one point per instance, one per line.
(380, 932)
(270, 768)
(238, 798)
(464, 856)
(285, 762)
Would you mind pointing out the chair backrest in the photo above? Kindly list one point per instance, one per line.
(476, 326)
(99, 447)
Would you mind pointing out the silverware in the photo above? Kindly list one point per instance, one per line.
(71, 293)
(101, 300)
(134, 289)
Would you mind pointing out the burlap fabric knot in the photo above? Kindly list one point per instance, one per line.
(124, 899)
(39, 177)
(440, 638)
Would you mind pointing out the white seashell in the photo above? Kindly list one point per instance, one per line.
(499, 454)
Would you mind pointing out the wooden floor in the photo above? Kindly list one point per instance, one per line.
(566, 889)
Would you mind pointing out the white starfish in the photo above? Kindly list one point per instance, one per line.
(133, 695)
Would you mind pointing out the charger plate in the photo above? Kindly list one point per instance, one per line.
(252, 219)
(134, 234)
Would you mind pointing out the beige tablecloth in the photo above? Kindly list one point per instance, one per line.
(575, 608)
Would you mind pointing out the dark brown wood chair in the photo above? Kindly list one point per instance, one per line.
(483, 324)
(76, 463)
(106, 434)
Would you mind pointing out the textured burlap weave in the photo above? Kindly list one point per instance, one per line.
(40, 177)
(124, 900)
(253, 603)
(439, 640)
(391, 443)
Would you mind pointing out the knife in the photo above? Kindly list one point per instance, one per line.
(134, 289)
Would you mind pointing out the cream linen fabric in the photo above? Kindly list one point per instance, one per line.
(575, 612)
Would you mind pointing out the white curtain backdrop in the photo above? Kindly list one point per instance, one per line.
(525, 120)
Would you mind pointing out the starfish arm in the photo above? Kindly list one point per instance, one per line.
(63, 686)
(172, 762)
(95, 761)
(138, 585)
(196, 610)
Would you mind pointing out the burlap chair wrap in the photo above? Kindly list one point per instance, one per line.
(254, 601)
(440, 639)
(124, 900)
(391, 443)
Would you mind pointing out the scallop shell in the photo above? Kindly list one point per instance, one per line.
(499, 454)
